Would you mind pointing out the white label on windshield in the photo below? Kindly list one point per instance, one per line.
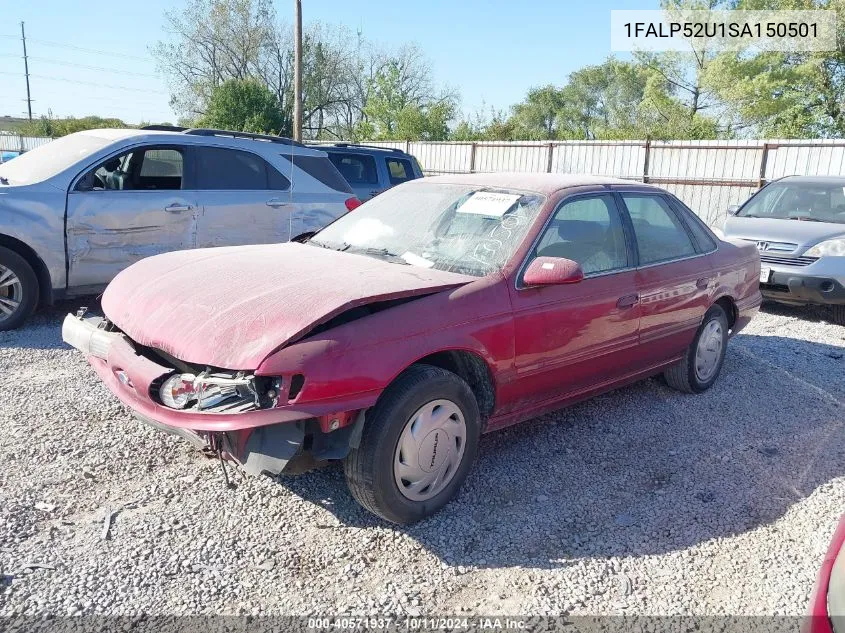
(416, 260)
(486, 203)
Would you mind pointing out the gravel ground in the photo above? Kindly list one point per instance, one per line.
(642, 501)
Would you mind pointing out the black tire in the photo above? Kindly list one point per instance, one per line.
(682, 376)
(369, 468)
(838, 314)
(28, 298)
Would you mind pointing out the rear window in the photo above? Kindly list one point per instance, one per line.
(700, 231)
(323, 170)
(232, 170)
(357, 169)
(400, 170)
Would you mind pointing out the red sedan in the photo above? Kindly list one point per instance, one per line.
(827, 606)
(442, 309)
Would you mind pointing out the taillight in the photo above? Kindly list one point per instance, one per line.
(352, 204)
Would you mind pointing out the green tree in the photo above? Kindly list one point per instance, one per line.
(786, 94)
(244, 105)
(48, 125)
(398, 109)
(538, 117)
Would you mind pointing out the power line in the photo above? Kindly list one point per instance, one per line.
(89, 83)
(82, 49)
(101, 68)
(85, 66)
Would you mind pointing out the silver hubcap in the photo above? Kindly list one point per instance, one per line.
(709, 350)
(430, 450)
(11, 292)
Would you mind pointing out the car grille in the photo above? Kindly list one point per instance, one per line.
(787, 261)
(772, 247)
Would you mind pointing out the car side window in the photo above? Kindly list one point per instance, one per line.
(660, 234)
(399, 170)
(697, 227)
(589, 231)
(357, 169)
(233, 170)
(142, 169)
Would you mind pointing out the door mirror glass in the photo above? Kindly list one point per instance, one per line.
(733, 209)
(552, 271)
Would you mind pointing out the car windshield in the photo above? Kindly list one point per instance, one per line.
(459, 228)
(810, 201)
(48, 160)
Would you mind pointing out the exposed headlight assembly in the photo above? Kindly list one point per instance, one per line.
(828, 248)
(219, 392)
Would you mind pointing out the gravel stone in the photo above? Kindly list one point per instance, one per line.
(663, 503)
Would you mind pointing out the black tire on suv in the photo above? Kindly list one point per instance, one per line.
(18, 289)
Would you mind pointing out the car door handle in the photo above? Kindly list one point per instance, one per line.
(276, 203)
(177, 208)
(702, 283)
(628, 301)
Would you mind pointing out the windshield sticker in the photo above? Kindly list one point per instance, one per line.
(488, 204)
(416, 260)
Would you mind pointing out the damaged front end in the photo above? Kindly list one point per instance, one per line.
(253, 420)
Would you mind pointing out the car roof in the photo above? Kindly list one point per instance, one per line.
(219, 138)
(541, 183)
(821, 180)
(354, 147)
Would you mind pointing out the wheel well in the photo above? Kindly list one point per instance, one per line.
(729, 307)
(473, 369)
(45, 285)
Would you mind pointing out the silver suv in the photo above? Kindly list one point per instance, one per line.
(798, 225)
(75, 212)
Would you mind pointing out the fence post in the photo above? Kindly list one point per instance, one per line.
(472, 157)
(20, 138)
(764, 159)
(551, 155)
(646, 159)
(408, 147)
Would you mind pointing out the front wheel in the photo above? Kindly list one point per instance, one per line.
(417, 447)
(698, 369)
(18, 289)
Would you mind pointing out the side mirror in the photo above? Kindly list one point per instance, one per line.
(733, 209)
(552, 271)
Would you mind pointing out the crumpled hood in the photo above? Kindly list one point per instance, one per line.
(231, 307)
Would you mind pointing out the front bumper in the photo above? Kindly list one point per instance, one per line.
(263, 440)
(820, 283)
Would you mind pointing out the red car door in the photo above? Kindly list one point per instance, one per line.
(571, 337)
(673, 279)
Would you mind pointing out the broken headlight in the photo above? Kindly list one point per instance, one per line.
(219, 392)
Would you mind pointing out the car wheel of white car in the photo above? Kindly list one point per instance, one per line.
(18, 289)
(702, 361)
(417, 446)
(838, 314)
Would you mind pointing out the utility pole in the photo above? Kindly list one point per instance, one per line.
(297, 71)
(26, 72)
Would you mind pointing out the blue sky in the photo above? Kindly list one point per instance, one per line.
(492, 51)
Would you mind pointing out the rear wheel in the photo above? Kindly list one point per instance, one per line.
(417, 447)
(18, 289)
(702, 361)
(838, 313)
